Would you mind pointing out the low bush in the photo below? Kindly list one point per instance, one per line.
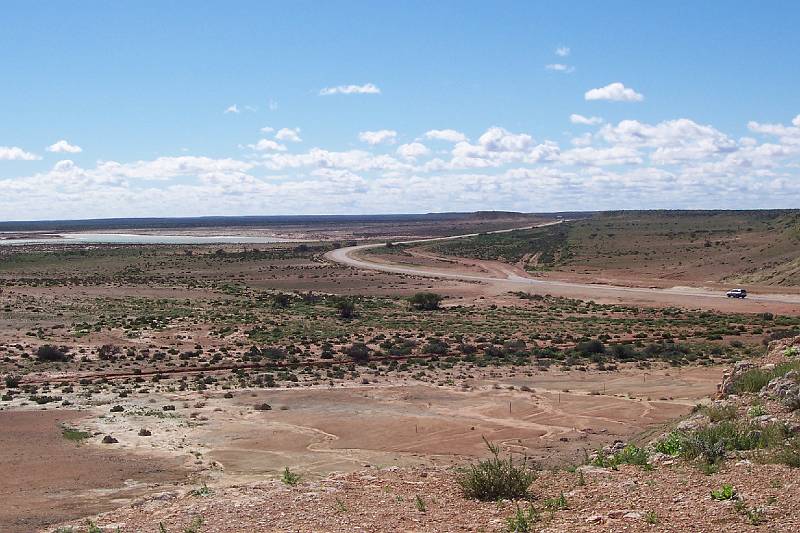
(358, 352)
(754, 380)
(425, 301)
(496, 478)
(49, 353)
(711, 443)
(630, 454)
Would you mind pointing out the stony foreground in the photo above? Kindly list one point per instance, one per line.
(676, 497)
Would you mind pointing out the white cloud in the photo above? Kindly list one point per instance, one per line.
(413, 150)
(267, 145)
(615, 92)
(448, 135)
(289, 134)
(586, 121)
(498, 139)
(63, 146)
(673, 140)
(562, 51)
(367, 88)
(560, 67)
(273, 105)
(267, 129)
(670, 164)
(617, 155)
(233, 108)
(378, 137)
(14, 153)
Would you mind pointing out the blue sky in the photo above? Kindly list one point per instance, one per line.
(694, 107)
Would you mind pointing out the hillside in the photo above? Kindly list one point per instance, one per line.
(750, 247)
(730, 466)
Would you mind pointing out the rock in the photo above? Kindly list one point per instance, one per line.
(108, 439)
(693, 423)
(785, 389)
(614, 448)
(595, 519)
(633, 515)
(145, 433)
(764, 420)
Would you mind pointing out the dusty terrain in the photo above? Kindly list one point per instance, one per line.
(225, 365)
(48, 478)
(747, 488)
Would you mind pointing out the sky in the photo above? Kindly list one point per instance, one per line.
(176, 108)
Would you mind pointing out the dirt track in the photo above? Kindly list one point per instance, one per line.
(502, 278)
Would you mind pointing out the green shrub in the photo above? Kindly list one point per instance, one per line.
(720, 413)
(359, 352)
(711, 443)
(630, 454)
(727, 492)
(425, 301)
(670, 445)
(73, 434)
(345, 307)
(522, 521)
(496, 478)
(289, 477)
(49, 353)
(754, 380)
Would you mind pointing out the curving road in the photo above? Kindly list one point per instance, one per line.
(514, 279)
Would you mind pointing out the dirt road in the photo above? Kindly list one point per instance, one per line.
(505, 278)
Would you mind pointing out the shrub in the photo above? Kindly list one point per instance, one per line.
(346, 308)
(630, 454)
(522, 520)
(425, 301)
(789, 454)
(289, 477)
(670, 445)
(73, 434)
(711, 443)
(591, 347)
(12, 381)
(727, 492)
(281, 300)
(358, 352)
(49, 353)
(754, 380)
(496, 478)
(720, 413)
(107, 352)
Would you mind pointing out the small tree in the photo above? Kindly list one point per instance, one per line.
(107, 352)
(50, 353)
(12, 381)
(359, 352)
(281, 300)
(425, 301)
(346, 308)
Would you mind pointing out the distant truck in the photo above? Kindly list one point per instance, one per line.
(736, 293)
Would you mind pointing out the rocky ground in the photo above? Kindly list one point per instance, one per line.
(730, 466)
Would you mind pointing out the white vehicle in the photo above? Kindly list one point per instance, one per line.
(736, 293)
